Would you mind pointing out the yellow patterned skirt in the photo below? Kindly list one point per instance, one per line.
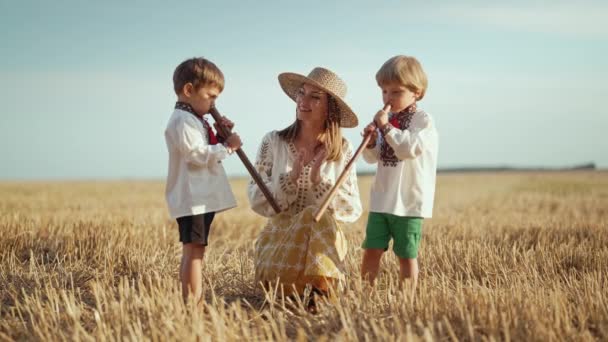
(295, 250)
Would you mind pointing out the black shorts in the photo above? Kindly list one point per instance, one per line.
(195, 229)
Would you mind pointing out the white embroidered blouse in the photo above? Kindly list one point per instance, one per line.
(275, 161)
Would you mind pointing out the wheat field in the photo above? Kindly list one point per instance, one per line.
(508, 256)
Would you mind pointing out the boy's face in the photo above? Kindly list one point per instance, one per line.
(201, 99)
(398, 96)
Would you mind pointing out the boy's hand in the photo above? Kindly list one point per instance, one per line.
(224, 122)
(298, 165)
(371, 130)
(234, 142)
(315, 172)
(381, 118)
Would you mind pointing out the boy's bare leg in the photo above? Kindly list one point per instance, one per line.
(191, 271)
(371, 264)
(408, 274)
(182, 269)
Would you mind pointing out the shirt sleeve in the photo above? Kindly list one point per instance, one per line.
(193, 144)
(280, 185)
(371, 155)
(346, 204)
(409, 143)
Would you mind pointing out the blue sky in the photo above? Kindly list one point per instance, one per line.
(85, 87)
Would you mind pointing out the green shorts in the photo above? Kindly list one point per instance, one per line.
(404, 230)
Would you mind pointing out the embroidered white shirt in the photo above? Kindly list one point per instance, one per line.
(406, 186)
(274, 162)
(196, 181)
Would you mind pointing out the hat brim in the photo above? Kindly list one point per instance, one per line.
(291, 82)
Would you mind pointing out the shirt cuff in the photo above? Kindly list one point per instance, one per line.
(228, 149)
(387, 128)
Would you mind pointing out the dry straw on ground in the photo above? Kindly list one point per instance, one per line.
(508, 256)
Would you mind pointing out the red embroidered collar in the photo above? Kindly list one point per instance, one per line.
(398, 118)
(188, 108)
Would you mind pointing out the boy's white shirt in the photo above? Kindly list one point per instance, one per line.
(408, 188)
(196, 180)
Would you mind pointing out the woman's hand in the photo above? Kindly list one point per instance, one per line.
(315, 172)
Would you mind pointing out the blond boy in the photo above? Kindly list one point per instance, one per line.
(197, 186)
(404, 144)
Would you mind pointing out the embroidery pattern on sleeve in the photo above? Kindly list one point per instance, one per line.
(401, 121)
(263, 163)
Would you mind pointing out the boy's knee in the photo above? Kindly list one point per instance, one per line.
(409, 263)
(408, 260)
(374, 253)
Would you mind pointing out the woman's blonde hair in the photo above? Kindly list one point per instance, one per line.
(405, 70)
(331, 137)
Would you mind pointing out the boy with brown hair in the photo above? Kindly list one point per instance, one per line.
(406, 153)
(197, 186)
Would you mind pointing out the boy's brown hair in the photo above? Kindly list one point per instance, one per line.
(198, 71)
(405, 70)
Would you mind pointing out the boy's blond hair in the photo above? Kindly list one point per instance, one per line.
(405, 70)
(198, 71)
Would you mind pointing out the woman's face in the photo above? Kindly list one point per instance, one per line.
(311, 104)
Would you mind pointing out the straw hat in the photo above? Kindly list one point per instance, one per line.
(326, 80)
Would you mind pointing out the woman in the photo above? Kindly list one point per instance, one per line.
(300, 164)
